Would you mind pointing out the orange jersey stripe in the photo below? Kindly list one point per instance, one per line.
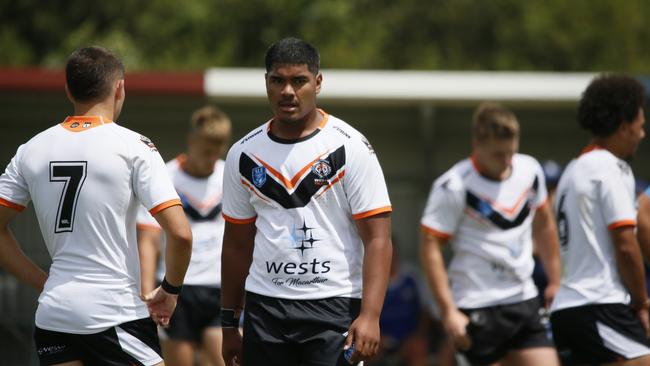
(148, 227)
(12, 205)
(374, 212)
(233, 220)
(164, 205)
(338, 178)
(254, 191)
(622, 223)
(286, 182)
(436, 233)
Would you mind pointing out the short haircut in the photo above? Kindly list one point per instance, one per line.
(90, 73)
(492, 120)
(293, 51)
(608, 101)
(211, 123)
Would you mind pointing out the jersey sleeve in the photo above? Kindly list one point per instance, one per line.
(444, 208)
(144, 220)
(14, 192)
(364, 181)
(541, 195)
(151, 181)
(237, 207)
(617, 203)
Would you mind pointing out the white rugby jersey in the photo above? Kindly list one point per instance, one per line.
(86, 178)
(201, 199)
(489, 224)
(594, 196)
(304, 196)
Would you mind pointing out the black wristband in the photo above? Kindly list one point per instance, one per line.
(228, 319)
(169, 288)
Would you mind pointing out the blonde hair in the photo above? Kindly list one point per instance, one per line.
(211, 123)
(492, 120)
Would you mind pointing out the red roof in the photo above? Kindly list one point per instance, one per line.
(45, 80)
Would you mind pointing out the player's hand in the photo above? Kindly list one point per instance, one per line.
(231, 346)
(364, 333)
(161, 305)
(455, 324)
(549, 294)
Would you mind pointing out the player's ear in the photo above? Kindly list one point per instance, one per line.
(120, 93)
(319, 81)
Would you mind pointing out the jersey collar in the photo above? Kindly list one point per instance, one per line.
(83, 123)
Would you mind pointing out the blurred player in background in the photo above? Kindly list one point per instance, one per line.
(307, 223)
(600, 313)
(197, 176)
(489, 207)
(87, 176)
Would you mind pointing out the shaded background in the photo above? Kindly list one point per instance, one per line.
(415, 141)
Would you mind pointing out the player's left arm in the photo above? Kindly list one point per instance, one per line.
(546, 236)
(13, 259)
(364, 331)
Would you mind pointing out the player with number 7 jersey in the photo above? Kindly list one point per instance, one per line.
(87, 177)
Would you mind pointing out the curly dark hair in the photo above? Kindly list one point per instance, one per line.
(608, 101)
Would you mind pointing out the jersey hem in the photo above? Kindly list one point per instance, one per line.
(377, 211)
(11, 205)
(318, 297)
(164, 205)
(233, 220)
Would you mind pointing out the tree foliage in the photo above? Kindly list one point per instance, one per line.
(553, 35)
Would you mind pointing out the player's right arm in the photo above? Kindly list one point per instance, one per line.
(13, 259)
(433, 264)
(441, 218)
(236, 258)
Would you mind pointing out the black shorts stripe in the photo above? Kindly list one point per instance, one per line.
(598, 333)
(110, 347)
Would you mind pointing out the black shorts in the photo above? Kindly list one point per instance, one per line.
(598, 333)
(496, 330)
(198, 308)
(296, 332)
(131, 343)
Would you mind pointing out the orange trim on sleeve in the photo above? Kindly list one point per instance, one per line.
(546, 202)
(148, 227)
(164, 205)
(374, 212)
(233, 220)
(436, 233)
(12, 205)
(622, 223)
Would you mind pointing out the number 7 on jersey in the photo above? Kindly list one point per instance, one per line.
(73, 175)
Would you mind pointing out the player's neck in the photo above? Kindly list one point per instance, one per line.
(94, 109)
(292, 130)
(611, 144)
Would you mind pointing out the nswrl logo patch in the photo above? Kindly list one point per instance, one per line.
(259, 176)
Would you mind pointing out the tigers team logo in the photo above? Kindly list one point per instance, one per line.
(322, 170)
(259, 176)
